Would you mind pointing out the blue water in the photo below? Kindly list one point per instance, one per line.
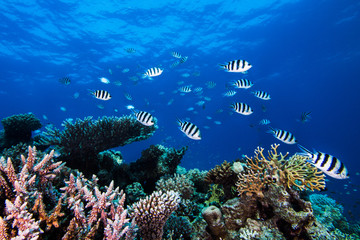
(306, 54)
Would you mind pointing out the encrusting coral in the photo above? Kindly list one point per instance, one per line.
(151, 213)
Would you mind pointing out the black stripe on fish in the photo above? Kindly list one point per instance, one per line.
(326, 158)
(333, 164)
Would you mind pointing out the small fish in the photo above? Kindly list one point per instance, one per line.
(185, 89)
(198, 89)
(153, 72)
(185, 75)
(229, 93)
(144, 118)
(130, 107)
(238, 66)
(63, 109)
(242, 83)
(183, 59)
(65, 80)
(305, 116)
(102, 95)
(128, 96)
(283, 135)
(104, 80)
(262, 95)
(125, 70)
(210, 84)
(175, 64)
(190, 129)
(242, 108)
(264, 122)
(100, 106)
(110, 71)
(327, 163)
(130, 50)
(176, 54)
(76, 95)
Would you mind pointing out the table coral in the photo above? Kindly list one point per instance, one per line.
(81, 141)
(18, 128)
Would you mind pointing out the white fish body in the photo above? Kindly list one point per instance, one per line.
(190, 130)
(153, 72)
(102, 95)
(237, 66)
(242, 108)
(144, 118)
(327, 163)
(284, 136)
(104, 80)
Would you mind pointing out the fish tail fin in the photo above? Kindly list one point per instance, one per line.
(302, 148)
(178, 121)
(271, 130)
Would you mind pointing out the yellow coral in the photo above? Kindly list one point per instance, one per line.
(216, 194)
(276, 169)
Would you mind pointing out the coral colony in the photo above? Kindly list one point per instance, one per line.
(84, 190)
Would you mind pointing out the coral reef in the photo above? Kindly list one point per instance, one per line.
(81, 141)
(155, 162)
(178, 183)
(259, 197)
(261, 172)
(34, 206)
(224, 175)
(151, 213)
(179, 227)
(214, 219)
(18, 129)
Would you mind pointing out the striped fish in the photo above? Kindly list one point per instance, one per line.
(242, 83)
(283, 135)
(327, 163)
(65, 80)
(264, 122)
(144, 118)
(101, 94)
(190, 130)
(262, 95)
(242, 108)
(130, 50)
(236, 66)
(185, 89)
(229, 93)
(210, 84)
(176, 54)
(153, 72)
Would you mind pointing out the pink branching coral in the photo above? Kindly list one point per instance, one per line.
(92, 208)
(89, 211)
(151, 213)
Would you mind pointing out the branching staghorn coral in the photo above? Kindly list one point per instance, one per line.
(151, 213)
(34, 206)
(276, 169)
(92, 209)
